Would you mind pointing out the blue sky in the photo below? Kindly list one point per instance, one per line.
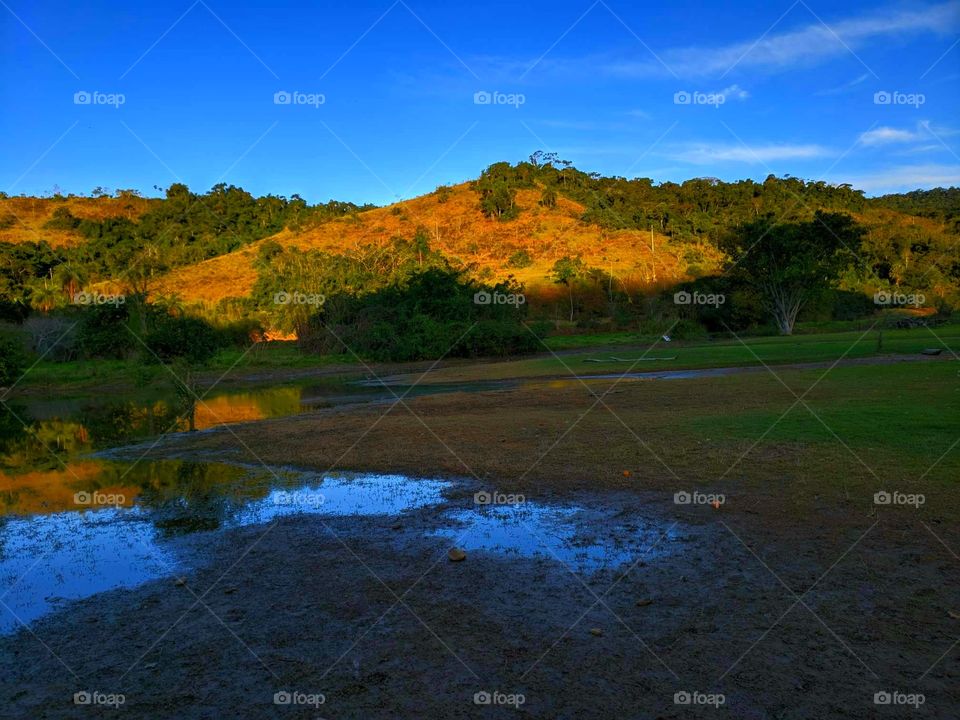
(387, 99)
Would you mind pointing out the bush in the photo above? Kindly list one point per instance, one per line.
(102, 332)
(496, 338)
(432, 314)
(54, 338)
(520, 259)
(171, 338)
(852, 305)
(13, 359)
(62, 219)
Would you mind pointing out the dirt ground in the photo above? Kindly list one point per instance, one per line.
(794, 624)
(796, 598)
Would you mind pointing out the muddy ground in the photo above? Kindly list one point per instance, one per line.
(795, 622)
(796, 598)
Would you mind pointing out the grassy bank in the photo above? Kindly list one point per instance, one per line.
(582, 354)
(654, 354)
(859, 430)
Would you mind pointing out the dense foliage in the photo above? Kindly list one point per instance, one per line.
(795, 250)
(431, 314)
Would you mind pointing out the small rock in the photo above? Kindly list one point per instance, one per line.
(644, 602)
(954, 615)
(456, 555)
(596, 632)
(396, 526)
(180, 582)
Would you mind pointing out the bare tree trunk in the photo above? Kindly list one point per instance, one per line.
(785, 304)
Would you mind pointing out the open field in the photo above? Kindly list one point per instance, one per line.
(562, 356)
(796, 596)
(807, 438)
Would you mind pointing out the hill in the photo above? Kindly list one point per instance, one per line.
(223, 248)
(457, 227)
(27, 219)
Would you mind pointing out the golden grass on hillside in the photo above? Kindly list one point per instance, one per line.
(26, 216)
(459, 229)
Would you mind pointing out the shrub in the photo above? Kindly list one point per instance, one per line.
(431, 314)
(13, 359)
(54, 338)
(172, 337)
(520, 259)
(102, 332)
(62, 219)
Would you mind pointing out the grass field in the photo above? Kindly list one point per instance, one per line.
(573, 353)
(856, 430)
(642, 355)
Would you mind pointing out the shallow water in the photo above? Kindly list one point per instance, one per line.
(75, 521)
(554, 532)
(47, 560)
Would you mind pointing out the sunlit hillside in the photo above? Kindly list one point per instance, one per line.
(23, 219)
(457, 227)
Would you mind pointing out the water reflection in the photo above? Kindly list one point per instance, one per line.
(47, 560)
(72, 525)
(555, 532)
(45, 444)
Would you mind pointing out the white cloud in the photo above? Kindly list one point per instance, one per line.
(707, 153)
(925, 133)
(886, 135)
(733, 92)
(847, 86)
(803, 47)
(907, 177)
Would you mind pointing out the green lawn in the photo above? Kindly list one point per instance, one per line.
(81, 375)
(909, 410)
(709, 354)
(774, 350)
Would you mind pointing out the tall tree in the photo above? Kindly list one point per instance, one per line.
(789, 264)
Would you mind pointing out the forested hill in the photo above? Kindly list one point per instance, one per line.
(515, 220)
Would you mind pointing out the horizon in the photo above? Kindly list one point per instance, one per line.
(377, 103)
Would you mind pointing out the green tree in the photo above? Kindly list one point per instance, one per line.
(791, 263)
(566, 271)
(12, 358)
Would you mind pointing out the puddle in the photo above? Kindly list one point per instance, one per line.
(75, 522)
(557, 532)
(346, 495)
(50, 559)
(47, 560)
